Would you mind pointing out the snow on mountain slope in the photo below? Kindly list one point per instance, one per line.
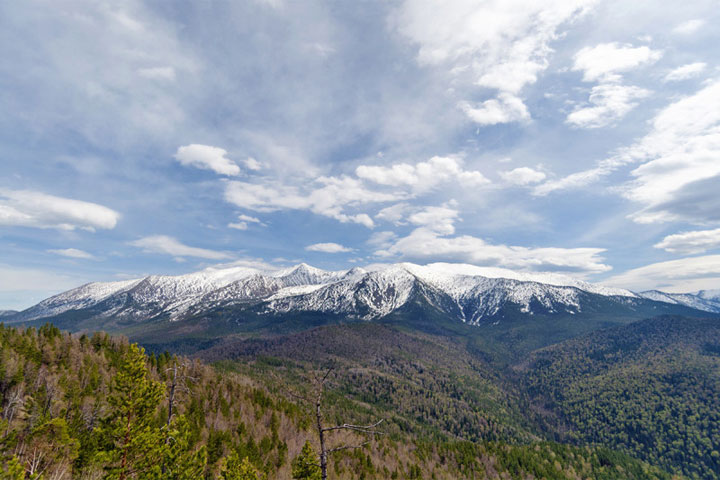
(465, 291)
(370, 295)
(83, 296)
(709, 294)
(704, 300)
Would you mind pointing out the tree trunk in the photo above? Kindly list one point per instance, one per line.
(321, 433)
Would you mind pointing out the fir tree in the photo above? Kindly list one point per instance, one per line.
(304, 466)
(136, 445)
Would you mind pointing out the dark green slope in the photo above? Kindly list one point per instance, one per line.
(651, 388)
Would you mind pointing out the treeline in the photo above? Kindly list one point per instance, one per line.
(92, 407)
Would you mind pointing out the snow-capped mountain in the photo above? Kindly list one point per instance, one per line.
(707, 300)
(467, 293)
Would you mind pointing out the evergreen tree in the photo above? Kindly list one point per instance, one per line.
(135, 445)
(304, 466)
(181, 461)
(234, 469)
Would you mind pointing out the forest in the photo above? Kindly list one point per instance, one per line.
(96, 406)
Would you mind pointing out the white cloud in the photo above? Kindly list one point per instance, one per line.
(158, 73)
(252, 164)
(422, 176)
(690, 243)
(208, 158)
(437, 219)
(72, 253)
(523, 176)
(502, 45)
(171, 246)
(689, 27)
(575, 180)
(394, 213)
(330, 198)
(679, 172)
(28, 208)
(605, 61)
(682, 275)
(679, 154)
(609, 102)
(328, 248)
(381, 240)
(429, 245)
(243, 220)
(505, 108)
(686, 71)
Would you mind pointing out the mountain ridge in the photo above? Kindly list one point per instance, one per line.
(468, 293)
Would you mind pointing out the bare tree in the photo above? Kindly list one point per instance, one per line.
(316, 400)
(178, 383)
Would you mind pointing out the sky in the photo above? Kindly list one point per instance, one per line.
(154, 137)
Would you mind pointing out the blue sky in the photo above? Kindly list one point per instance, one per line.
(575, 136)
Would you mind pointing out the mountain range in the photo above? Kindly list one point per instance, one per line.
(459, 293)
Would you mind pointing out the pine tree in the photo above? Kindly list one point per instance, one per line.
(304, 466)
(135, 446)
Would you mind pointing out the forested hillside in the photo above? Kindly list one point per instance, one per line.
(651, 389)
(90, 407)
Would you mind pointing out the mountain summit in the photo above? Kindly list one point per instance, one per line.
(466, 293)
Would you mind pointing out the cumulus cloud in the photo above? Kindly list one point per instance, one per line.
(394, 213)
(330, 197)
(679, 171)
(72, 253)
(252, 164)
(207, 158)
(422, 176)
(605, 61)
(608, 102)
(427, 244)
(170, 246)
(523, 176)
(682, 275)
(243, 221)
(28, 208)
(689, 243)
(685, 72)
(680, 152)
(505, 108)
(437, 219)
(689, 27)
(328, 248)
(498, 45)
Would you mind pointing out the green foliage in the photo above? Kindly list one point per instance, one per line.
(232, 468)
(305, 465)
(90, 401)
(134, 445)
(651, 389)
(12, 470)
(182, 461)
